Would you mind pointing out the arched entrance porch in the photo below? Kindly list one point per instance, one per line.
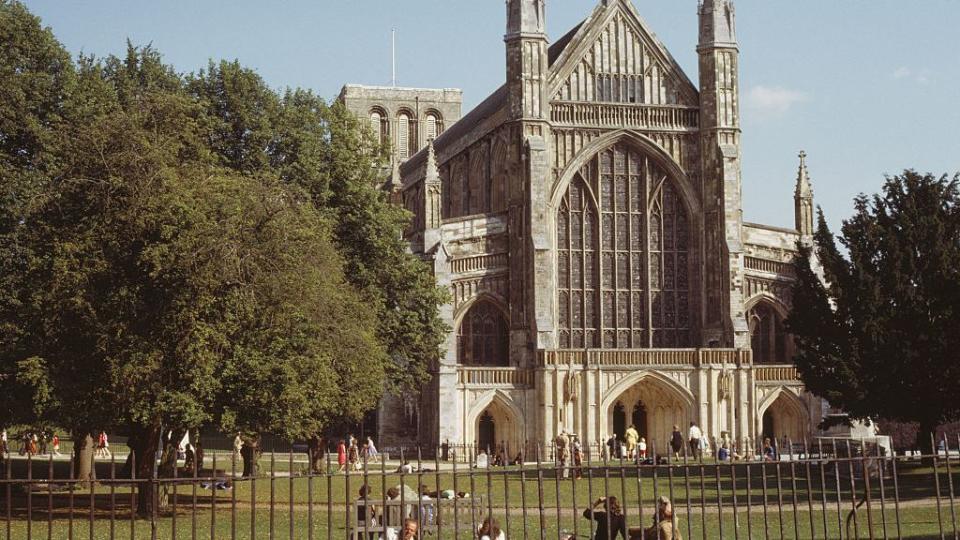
(651, 402)
(496, 420)
(784, 418)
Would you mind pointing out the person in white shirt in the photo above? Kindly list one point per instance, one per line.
(694, 438)
(371, 450)
(237, 447)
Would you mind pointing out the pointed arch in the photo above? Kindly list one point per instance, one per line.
(665, 403)
(648, 290)
(769, 340)
(624, 384)
(643, 144)
(483, 335)
(786, 412)
(505, 418)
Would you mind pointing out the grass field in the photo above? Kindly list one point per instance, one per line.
(527, 502)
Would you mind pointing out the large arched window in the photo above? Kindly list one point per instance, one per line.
(483, 338)
(623, 280)
(768, 337)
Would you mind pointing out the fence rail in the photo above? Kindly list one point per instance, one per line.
(827, 489)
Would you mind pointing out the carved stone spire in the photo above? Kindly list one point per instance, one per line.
(433, 191)
(717, 23)
(433, 173)
(803, 199)
(527, 65)
(525, 17)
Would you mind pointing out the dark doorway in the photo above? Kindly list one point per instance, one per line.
(487, 432)
(619, 421)
(768, 427)
(640, 418)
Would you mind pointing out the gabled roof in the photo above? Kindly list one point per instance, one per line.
(559, 53)
(586, 31)
(555, 50)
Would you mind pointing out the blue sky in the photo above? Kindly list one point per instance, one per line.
(866, 87)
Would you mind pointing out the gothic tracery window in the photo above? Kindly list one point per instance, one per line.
(623, 260)
(768, 337)
(483, 338)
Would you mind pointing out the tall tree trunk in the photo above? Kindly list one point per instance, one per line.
(925, 436)
(144, 443)
(316, 454)
(84, 467)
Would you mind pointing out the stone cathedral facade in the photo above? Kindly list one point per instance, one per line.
(586, 218)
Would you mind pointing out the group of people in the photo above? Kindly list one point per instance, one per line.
(404, 510)
(611, 522)
(694, 445)
(32, 443)
(632, 447)
(352, 453)
(569, 454)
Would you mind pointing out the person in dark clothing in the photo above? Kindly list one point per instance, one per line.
(676, 442)
(609, 518)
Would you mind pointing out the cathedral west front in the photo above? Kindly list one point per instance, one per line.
(586, 218)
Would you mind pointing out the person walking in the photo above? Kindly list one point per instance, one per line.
(237, 447)
(676, 442)
(55, 441)
(341, 456)
(4, 451)
(372, 454)
(610, 520)
(642, 449)
(561, 447)
(632, 437)
(694, 436)
(577, 452)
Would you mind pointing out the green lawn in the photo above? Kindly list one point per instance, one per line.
(700, 501)
(916, 522)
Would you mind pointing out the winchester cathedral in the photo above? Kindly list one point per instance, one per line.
(586, 218)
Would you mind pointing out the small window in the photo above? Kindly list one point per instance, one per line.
(403, 136)
(375, 120)
(434, 126)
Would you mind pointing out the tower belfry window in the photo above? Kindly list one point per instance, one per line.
(403, 136)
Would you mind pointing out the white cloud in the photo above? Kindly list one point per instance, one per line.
(920, 77)
(773, 100)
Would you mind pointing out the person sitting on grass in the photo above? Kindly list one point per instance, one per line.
(664, 527)
(408, 532)
(610, 520)
(490, 530)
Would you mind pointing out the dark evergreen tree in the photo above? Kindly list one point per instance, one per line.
(879, 335)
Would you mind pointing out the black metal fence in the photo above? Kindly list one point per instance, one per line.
(824, 489)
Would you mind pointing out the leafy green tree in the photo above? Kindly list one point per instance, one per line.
(179, 251)
(36, 76)
(323, 149)
(879, 337)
